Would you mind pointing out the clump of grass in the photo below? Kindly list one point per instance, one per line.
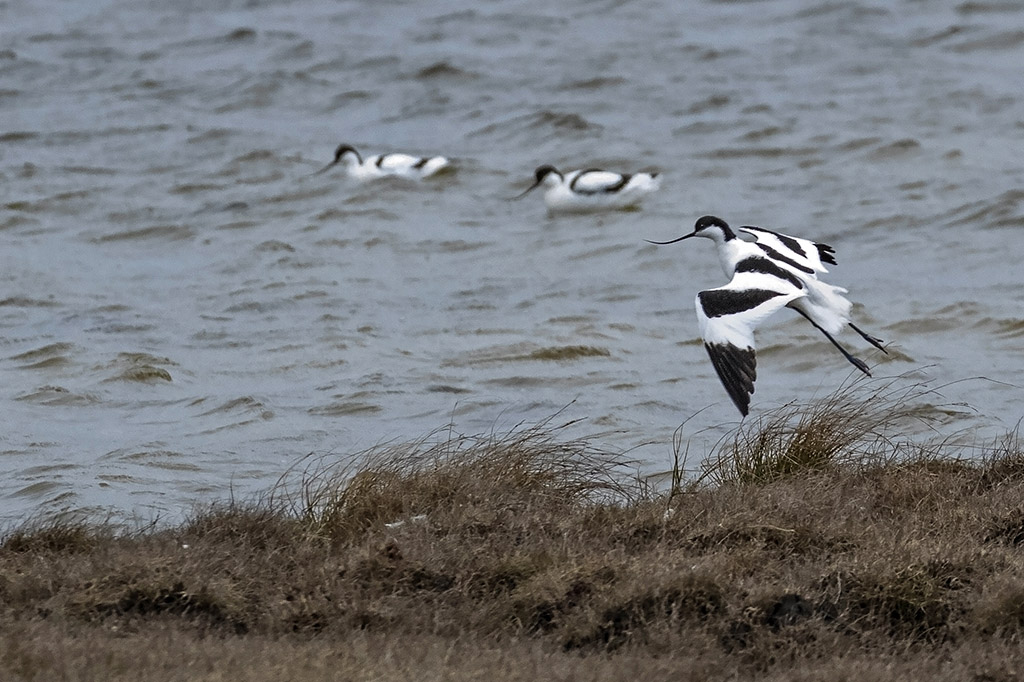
(265, 525)
(852, 426)
(159, 596)
(1008, 528)
(629, 614)
(919, 601)
(1002, 611)
(1004, 462)
(443, 474)
(62, 533)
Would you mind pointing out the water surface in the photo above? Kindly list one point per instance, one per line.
(185, 312)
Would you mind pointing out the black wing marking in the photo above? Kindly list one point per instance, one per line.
(623, 181)
(608, 189)
(790, 243)
(421, 163)
(775, 255)
(766, 267)
(825, 252)
(737, 369)
(721, 302)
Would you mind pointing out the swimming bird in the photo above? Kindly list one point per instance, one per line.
(384, 165)
(591, 189)
(768, 271)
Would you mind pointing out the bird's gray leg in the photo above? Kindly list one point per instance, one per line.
(873, 340)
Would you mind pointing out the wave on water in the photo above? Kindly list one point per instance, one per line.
(58, 396)
(45, 357)
(894, 149)
(523, 353)
(154, 232)
(1003, 210)
(242, 405)
(167, 460)
(540, 126)
(445, 71)
(345, 408)
(596, 83)
(139, 368)
(999, 41)
(66, 137)
(1009, 328)
(26, 302)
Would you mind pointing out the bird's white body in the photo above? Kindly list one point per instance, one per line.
(385, 165)
(592, 189)
(737, 328)
(767, 271)
(401, 165)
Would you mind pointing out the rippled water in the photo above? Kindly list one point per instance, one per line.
(185, 312)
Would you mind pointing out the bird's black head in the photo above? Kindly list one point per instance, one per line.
(707, 221)
(540, 174)
(711, 226)
(543, 171)
(343, 149)
(339, 154)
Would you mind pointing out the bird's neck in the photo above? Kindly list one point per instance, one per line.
(732, 251)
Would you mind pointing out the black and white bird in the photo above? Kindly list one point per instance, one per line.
(591, 189)
(384, 165)
(768, 271)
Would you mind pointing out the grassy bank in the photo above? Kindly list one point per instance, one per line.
(814, 544)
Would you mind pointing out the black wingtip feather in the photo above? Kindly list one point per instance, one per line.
(825, 252)
(737, 369)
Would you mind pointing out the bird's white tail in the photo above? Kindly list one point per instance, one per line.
(653, 182)
(433, 165)
(825, 305)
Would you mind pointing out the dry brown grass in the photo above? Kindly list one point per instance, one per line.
(853, 426)
(445, 473)
(525, 556)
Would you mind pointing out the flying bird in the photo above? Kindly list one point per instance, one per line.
(768, 271)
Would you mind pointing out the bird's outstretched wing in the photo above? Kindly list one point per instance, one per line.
(804, 252)
(728, 317)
